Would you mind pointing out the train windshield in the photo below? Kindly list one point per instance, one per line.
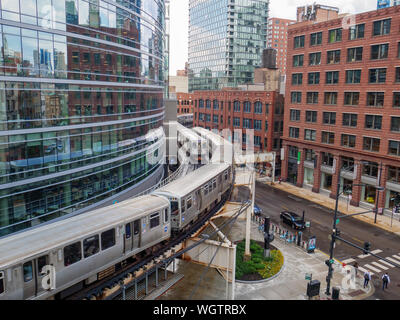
(174, 208)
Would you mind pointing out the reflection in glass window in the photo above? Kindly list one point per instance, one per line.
(91, 246)
(28, 271)
(72, 253)
(107, 239)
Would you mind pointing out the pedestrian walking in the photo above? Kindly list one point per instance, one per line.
(367, 277)
(356, 267)
(385, 281)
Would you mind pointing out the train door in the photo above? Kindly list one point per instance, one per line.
(128, 238)
(39, 264)
(29, 285)
(136, 237)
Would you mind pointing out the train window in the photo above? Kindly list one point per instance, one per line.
(107, 239)
(1, 282)
(91, 246)
(128, 231)
(226, 175)
(42, 261)
(154, 220)
(206, 189)
(165, 215)
(174, 208)
(215, 184)
(28, 271)
(189, 202)
(183, 205)
(72, 253)
(136, 227)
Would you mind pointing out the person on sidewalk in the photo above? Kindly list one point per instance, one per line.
(385, 281)
(356, 268)
(367, 277)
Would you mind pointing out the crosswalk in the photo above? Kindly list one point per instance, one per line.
(375, 267)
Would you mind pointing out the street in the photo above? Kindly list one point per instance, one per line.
(385, 244)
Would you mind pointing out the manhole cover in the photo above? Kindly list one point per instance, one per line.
(356, 293)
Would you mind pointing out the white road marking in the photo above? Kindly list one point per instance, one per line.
(376, 251)
(396, 257)
(372, 268)
(348, 261)
(387, 263)
(362, 256)
(364, 270)
(380, 266)
(393, 260)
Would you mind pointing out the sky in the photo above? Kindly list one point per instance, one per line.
(286, 9)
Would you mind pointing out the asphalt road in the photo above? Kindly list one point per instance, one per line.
(273, 201)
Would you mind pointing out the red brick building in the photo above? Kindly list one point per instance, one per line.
(343, 107)
(185, 103)
(277, 37)
(239, 109)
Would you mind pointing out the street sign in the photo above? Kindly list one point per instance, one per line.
(309, 276)
(337, 221)
(308, 224)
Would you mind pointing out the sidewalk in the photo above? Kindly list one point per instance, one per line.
(291, 283)
(383, 222)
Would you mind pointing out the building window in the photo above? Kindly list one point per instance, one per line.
(315, 59)
(313, 78)
(330, 98)
(353, 76)
(351, 98)
(257, 125)
(257, 141)
(371, 169)
(348, 141)
(236, 106)
(316, 39)
(373, 122)
(294, 132)
(247, 123)
(335, 35)
(371, 144)
(215, 119)
(258, 107)
(309, 154)
(310, 135)
(236, 122)
(247, 107)
(356, 32)
(377, 75)
(294, 115)
(397, 75)
(332, 77)
(329, 118)
(379, 51)
(395, 124)
(327, 159)
(394, 148)
(333, 57)
(354, 54)
(328, 137)
(298, 60)
(381, 27)
(201, 103)
(297, 78)
(347, 164)
(299, 42)
(312, 97)
(393, 174)
(396, 99)
(375, 99)
(296, 97)
(215, 104)
(208, 104)
(349, 120)
(311, 116)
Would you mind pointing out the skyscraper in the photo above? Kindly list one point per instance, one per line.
(226, 40)
(81, 85)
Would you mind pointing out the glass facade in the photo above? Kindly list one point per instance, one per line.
(81, 91)
(226, 40)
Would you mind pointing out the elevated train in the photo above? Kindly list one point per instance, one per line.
(83, 248)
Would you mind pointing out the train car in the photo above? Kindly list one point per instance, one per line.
(196, 193)
(220, 149)
(81, 247)
(194, 145)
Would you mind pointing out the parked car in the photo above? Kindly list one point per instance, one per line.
(292, 219)
(257, 210)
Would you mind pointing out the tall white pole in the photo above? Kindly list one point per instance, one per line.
(247, 253)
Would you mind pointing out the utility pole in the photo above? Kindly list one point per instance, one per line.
(247, 253)
(377, 192)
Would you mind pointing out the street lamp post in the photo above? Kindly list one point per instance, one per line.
(377, 193)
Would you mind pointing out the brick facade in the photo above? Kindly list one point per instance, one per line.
(372, 121)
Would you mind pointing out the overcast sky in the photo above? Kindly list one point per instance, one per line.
(278, 8)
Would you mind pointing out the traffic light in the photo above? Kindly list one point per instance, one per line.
(329, 262)
(367, 247)
(337, 233)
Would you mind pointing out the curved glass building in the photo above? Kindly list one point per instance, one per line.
(81, 105)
